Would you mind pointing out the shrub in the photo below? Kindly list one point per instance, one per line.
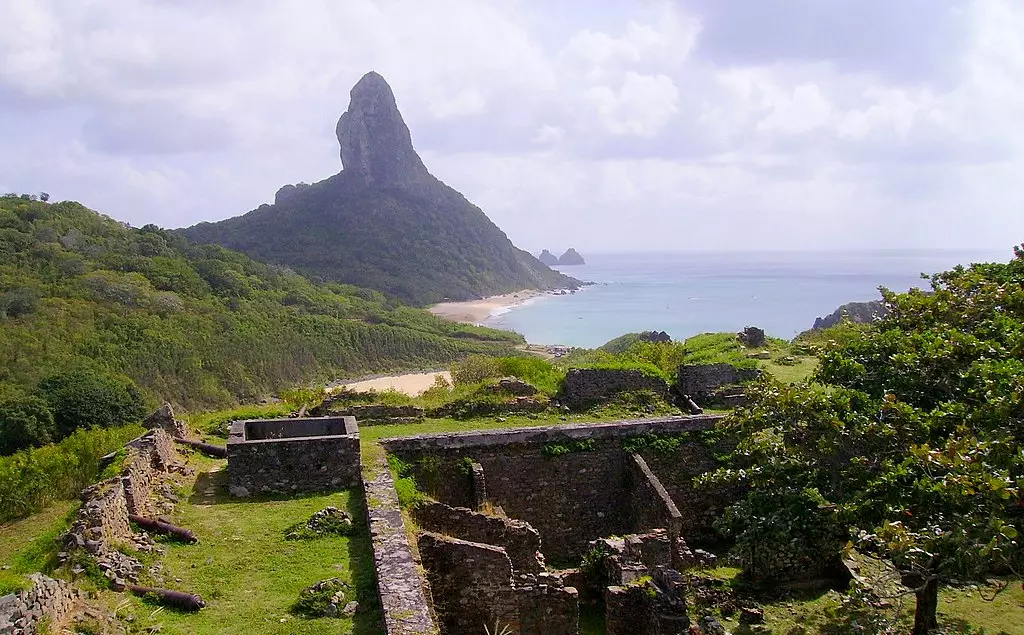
(87, 398)
(32, 478)
(474, 369)
(25, 422)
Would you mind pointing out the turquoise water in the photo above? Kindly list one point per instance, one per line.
(690, 293)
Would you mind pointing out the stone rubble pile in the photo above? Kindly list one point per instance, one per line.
(47, 601)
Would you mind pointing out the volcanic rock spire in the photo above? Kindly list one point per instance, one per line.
(375, 142)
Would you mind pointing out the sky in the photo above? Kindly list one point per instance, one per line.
(660, 125)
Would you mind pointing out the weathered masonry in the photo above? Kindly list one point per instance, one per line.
(285, 456)
(513, 508)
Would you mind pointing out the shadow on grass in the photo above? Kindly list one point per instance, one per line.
(369, 619)
(211, 488)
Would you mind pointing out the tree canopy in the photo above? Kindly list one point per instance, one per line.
(908, 445)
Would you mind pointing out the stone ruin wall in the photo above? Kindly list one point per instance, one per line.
(47, 602)
(520, 541)
(570, 499)
(102, 523)
(586, 386)
(473, 586)
(317, 461)
(399, 582)
(700, 381)
(699, 509)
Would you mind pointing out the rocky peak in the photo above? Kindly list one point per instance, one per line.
(375, 142)
(571, 257)
(548, 258)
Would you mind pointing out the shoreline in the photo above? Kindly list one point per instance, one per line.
(477, 311)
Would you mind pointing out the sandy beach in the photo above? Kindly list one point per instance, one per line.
(476, 311)
(411, 383)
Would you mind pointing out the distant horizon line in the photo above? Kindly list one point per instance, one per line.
(839, 250)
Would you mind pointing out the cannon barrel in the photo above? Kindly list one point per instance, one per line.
(161, 527)
(216, 451)
(178, 599)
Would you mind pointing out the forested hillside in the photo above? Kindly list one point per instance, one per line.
(196, 325)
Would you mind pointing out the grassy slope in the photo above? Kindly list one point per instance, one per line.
(28, 543)
(249, 574)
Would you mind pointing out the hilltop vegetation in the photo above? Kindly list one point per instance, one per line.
(200, 326)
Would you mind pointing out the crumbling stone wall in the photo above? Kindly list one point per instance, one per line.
(570, 498)
(473, 586)
(700, 381)
(520, 541)
(293, 455)
(47, 601)
(699, 508)
(163, 418)
(650, 504)
(584, 387)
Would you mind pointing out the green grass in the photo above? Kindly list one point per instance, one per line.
(249, 574)
(790, 374)
(30, 543)
(962, 610)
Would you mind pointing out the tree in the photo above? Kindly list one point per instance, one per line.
(25, 421)
(86, 398)
(916, 442)
(44, 196)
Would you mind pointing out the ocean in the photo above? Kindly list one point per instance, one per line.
(686, 294)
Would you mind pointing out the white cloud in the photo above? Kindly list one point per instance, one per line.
(176, 112)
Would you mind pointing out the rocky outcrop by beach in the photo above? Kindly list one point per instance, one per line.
(857, 312)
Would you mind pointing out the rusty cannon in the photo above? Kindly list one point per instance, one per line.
(209, 449)
(167, 597)
(163, 527)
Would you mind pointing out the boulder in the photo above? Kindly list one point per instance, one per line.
(751, 336)
(515, 386)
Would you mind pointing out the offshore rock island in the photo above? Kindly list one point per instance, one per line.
(384, 222)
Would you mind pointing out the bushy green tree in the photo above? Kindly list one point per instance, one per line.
(88, 398)
(25, 421)
(915, 442)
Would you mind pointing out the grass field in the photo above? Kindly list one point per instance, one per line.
(28, 545)
(248, 573)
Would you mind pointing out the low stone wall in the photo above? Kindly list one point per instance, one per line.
(699, 381)
(473, 587)
(285, 456)
(101, 524)
(399, 584)
(584, 387)
(520, 541)
(102, 521)
(46, 603)
(148, 457)
(367, 414)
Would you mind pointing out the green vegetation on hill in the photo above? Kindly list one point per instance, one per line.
(200, 326)
(421, 247)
